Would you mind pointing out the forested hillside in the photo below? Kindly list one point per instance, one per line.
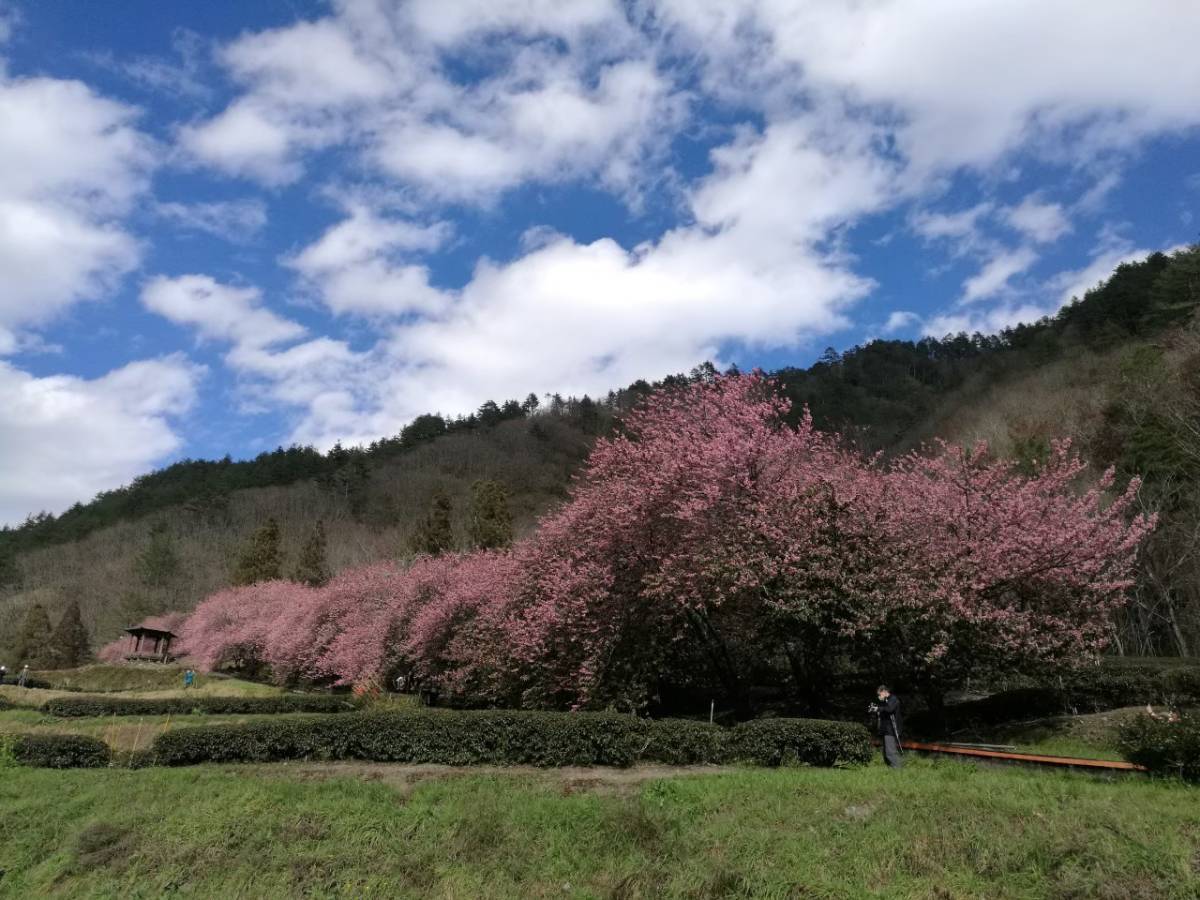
(1118, 371)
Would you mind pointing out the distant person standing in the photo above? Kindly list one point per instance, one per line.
(188, 677)
(24, 676)
(887, 715)
(3, 672)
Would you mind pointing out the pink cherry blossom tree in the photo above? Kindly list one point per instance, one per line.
(709, 543)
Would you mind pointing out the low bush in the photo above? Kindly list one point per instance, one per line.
(684, 742)
(776, 742)
(58, 751)
(76, 707)
(500, 737)
(1163, 747)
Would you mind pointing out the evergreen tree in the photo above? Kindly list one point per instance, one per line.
(158, 564)
(69, 644)
(312, 568)
(260, 558)
(434, 535)
(491, 520)
(136, 607)
(33, 641)
(357, 478)
(10, 572)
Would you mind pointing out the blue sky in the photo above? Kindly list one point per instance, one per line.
(224, 227)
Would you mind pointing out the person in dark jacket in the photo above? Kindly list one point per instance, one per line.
(887, 715)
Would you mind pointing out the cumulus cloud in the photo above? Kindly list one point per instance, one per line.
(218, 311)
(580, 317)
(900, 320)
(64, 438)
(952, 82)
(357, 265)
(1038, 221)
(374, 80)
(71, 163)
(996, 274)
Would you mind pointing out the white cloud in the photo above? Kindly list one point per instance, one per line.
(900, 320)
(182, 79)
(1038, 221)
(449, 23)
(234, 220)
(963, 89)
(64, 438)
(960, 226)
(996, 274)
(70, 164)
(218, 311)
(575, 317)
(357, 266)
(374, 81)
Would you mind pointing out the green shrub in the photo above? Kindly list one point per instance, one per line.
(683, 742)
(501, 737)
(776, 742)
(76, 707)
(58, 751)
(1164, 748)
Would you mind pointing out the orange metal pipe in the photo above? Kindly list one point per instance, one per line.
(1005, 756)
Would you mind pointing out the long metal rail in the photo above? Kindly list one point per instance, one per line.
(1070, 762)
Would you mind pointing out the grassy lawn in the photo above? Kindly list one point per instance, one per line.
(150, 681)
(943, 830)
(1091, 736)
(119, 732)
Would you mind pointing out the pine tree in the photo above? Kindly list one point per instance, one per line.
(434, 536)
(10, 572)
(491, 520)
(33, 641)
(69, 644)
(260, 558)
(158, 563)
(312, 568)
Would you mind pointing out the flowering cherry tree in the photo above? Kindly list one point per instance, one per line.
(710, 543)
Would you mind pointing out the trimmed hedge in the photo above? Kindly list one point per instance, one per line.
(501, 737)
(1164, 748)
(59, 751)
(76, 707)
(777, 742)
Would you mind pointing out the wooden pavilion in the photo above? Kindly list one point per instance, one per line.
(149, 644)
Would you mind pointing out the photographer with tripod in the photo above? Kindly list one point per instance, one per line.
(887, 715)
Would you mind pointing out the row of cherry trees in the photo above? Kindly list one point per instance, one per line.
(710, 545)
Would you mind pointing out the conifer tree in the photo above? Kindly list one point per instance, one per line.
(69, 643)
(10, 572)
(158, 563)
(491, 521)
(434, 535)
(33, 641)
(260, 558)
(312, 568)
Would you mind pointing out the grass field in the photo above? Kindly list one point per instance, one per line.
(150, 681)
(944, 830)
(119, 732)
